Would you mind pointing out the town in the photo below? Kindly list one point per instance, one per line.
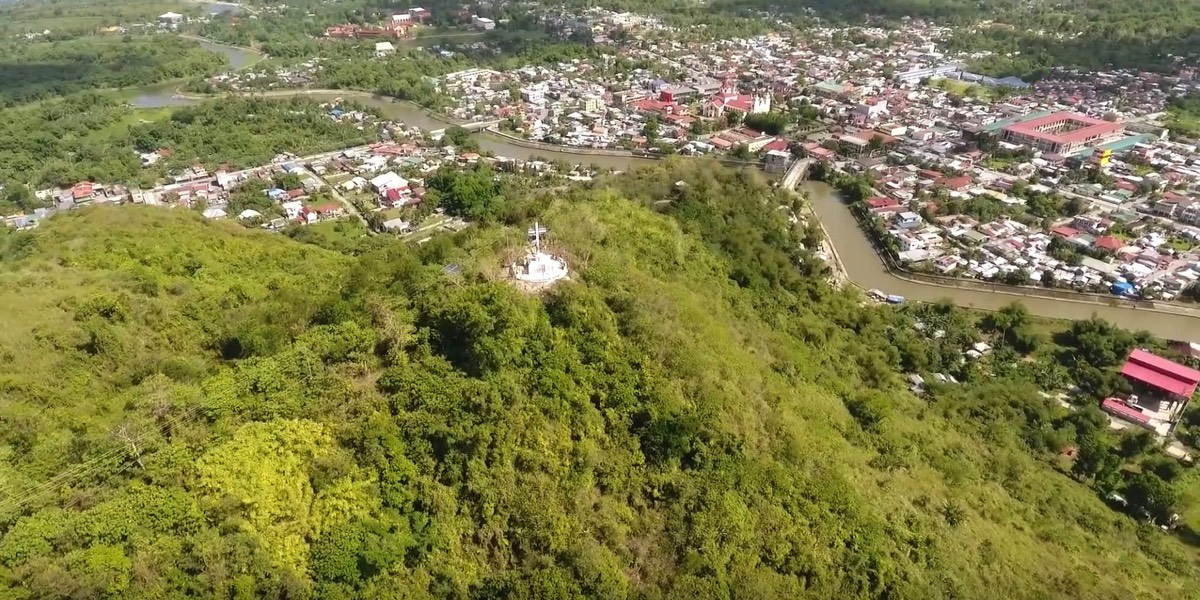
(600, 300)
(1070, 182)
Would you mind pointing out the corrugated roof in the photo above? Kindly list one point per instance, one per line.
(1120, 409)
(1002, 123)
(1158, 372)
(1088, 126)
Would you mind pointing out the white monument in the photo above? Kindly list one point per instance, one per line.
(539, 268)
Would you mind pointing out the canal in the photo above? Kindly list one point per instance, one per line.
(858, 257)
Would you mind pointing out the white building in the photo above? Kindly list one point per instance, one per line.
(170, 20)
(292, 209)
(482, 23)
(539, 268)
(384, 48)
(534, 94)
(389, 181)
(777, 161)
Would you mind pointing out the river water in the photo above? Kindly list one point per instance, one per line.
(853, 247)
(162, 95)
(865, 269)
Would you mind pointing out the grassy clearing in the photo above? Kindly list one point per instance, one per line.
(965, 89)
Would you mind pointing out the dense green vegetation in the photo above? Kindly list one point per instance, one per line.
(196, 409)
(1183, 116)
(96, 137)
(37, 71)
(71, 18)
(1028, 38)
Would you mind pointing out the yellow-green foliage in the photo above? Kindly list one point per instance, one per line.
(696, 414)
(264, 468)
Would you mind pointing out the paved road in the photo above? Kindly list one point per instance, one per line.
(337, 195)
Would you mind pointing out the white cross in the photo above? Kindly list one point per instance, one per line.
(536, 231)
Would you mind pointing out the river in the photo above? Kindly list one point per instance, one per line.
(864, 267)
(162, 95)
(858, 257)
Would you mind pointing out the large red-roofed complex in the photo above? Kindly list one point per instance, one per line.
(1062, 132)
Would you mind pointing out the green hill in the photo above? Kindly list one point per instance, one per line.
(190, 409)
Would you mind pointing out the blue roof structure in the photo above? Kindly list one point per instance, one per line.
(1122, 288)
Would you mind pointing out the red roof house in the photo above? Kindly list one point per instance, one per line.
(84, 189)
(1109, 243)
(1161, 374)
(957, 183)
(778, 144)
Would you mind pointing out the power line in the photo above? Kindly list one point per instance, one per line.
(89, 466)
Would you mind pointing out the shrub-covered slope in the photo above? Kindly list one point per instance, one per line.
(189, 409)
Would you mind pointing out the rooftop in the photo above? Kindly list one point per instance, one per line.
(1002, 123)
(1160, 373)
(1088, 127)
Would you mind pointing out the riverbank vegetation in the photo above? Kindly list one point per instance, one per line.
(96, 137)
(43, 70)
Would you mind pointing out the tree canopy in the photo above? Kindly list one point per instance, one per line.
(197, 409)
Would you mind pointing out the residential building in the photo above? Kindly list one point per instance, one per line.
(776, 161)
(171, 20)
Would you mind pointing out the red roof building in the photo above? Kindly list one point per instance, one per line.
(83, 190)
(1115, 407)
(1161, 375)
(659, 107)
(729, 99)
(1109, 243)
(1064, 231)
(778, 144)
(1062, 132)
(957, 183)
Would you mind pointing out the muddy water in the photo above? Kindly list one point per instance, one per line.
(865, 269)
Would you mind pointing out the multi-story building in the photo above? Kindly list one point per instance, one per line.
(1061, 132)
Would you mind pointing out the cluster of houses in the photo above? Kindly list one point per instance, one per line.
(1008, 250)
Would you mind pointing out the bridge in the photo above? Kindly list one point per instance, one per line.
(796, 173)
(479, 125)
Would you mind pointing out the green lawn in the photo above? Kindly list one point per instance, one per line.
(963, 88)
(1183, 122)
(138, 116)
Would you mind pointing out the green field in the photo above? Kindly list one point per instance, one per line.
(965, 89)
(84, 16)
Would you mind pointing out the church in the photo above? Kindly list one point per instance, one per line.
(729, 100)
